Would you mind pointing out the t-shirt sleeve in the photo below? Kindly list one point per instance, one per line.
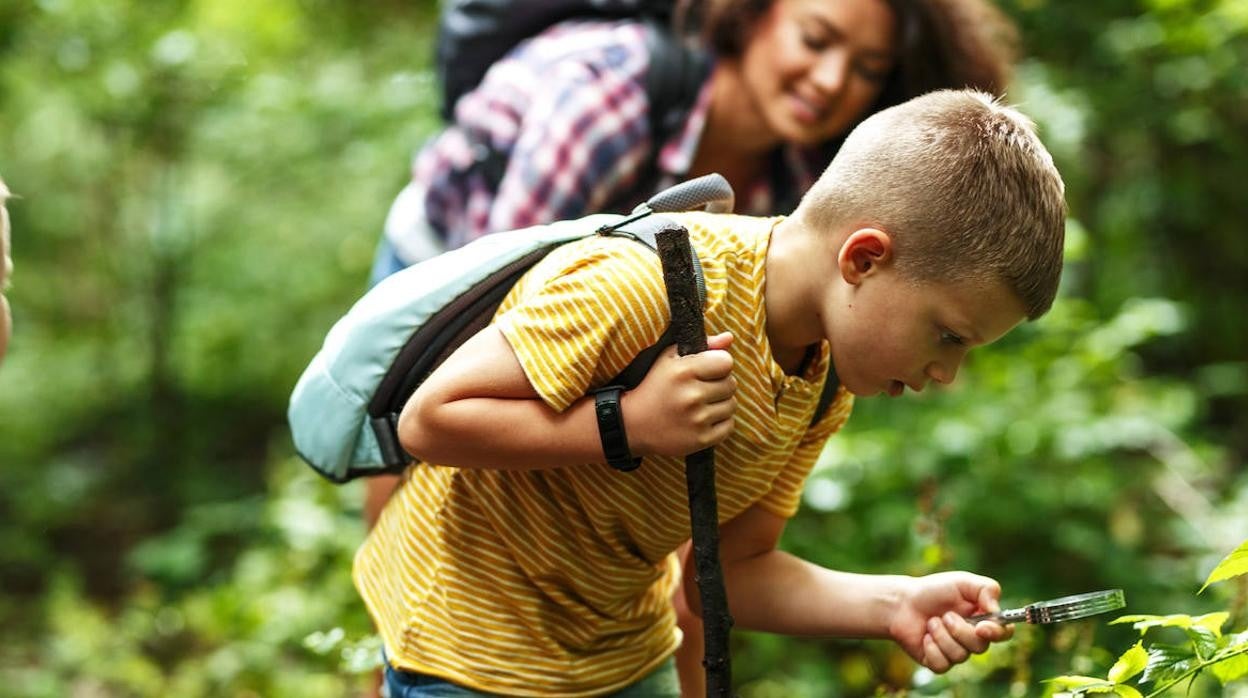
(582, 325)
(786, 491)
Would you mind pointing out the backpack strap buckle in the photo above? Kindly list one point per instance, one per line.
(386, 429)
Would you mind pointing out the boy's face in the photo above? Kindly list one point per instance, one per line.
(891, 333)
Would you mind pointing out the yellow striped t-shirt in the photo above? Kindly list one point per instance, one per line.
(558, 582)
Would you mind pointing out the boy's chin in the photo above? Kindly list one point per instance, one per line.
(892, 389)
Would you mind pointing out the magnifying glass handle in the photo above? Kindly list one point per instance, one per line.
(1005, 616)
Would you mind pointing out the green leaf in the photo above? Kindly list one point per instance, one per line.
(1232, 565)
(1127, 692)
(1205, 641)
(1088, 684)
(1231, 668)
(1130, 663)
(1166, 662)
(1212, 622)
(1133, 618)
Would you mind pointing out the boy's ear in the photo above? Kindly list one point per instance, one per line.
(864, 251)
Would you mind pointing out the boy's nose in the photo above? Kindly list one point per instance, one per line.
(941, 373)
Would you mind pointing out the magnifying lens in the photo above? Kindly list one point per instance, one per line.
(1059, 610)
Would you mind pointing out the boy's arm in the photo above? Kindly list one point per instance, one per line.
(479, 410)
(774, 591)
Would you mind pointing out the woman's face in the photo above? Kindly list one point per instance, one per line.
(813, 67)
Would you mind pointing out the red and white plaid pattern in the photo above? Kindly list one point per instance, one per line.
(567, 110)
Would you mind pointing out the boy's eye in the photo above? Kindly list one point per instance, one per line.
(947, 337)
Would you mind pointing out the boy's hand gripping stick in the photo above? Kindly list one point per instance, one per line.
(690, 334)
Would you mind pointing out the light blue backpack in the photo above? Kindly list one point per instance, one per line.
(344, 409)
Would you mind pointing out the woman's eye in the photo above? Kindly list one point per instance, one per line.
(815, 41)
(871, 74)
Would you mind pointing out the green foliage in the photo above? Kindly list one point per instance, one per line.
(1166, 666)
(202, 184)
(1233, 565)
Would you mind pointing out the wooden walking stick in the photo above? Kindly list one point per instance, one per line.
(690, 335)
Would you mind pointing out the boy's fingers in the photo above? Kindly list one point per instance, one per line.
(965, 633)
(721, 390)
(950, 648)
(723, 340)
(712, 365)
(717, 412)
(989, 597)
(933, 658)
(993, 632)
(722, 430)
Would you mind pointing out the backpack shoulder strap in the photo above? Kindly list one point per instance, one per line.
(830, 387)
(644, 231)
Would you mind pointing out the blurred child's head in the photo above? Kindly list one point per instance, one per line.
(962, 187)
(6, 268)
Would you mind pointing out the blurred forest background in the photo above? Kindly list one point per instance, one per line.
(201, 185)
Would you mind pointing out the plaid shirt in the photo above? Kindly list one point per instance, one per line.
(567, 110)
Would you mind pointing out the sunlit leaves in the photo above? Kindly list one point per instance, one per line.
(1165, 665)
(1211, 622)
(1087, 685)
(1168, 662)
(1232, 565)
(1235, 666)
(1083, 684)
(1129, 664)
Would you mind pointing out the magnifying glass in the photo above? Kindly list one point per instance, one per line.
(1059, 610)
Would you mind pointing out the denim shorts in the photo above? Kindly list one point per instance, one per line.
(661, 683)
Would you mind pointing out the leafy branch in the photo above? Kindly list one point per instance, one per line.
(1225, 656)
(1216, 661)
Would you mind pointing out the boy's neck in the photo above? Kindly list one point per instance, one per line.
(796, 276)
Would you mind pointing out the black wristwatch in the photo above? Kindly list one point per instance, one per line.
(611, 429)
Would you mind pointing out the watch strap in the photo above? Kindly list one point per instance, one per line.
(611, 429)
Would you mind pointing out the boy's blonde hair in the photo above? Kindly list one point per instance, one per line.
(961, 184)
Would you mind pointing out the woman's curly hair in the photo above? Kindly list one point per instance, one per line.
(942, 43)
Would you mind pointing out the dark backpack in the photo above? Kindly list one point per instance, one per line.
(474, 34)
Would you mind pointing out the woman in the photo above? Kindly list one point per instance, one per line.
(567, 111)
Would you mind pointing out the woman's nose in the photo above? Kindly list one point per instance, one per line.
(830, 71)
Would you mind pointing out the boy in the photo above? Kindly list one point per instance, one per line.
(522, 564)
(6, 270)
